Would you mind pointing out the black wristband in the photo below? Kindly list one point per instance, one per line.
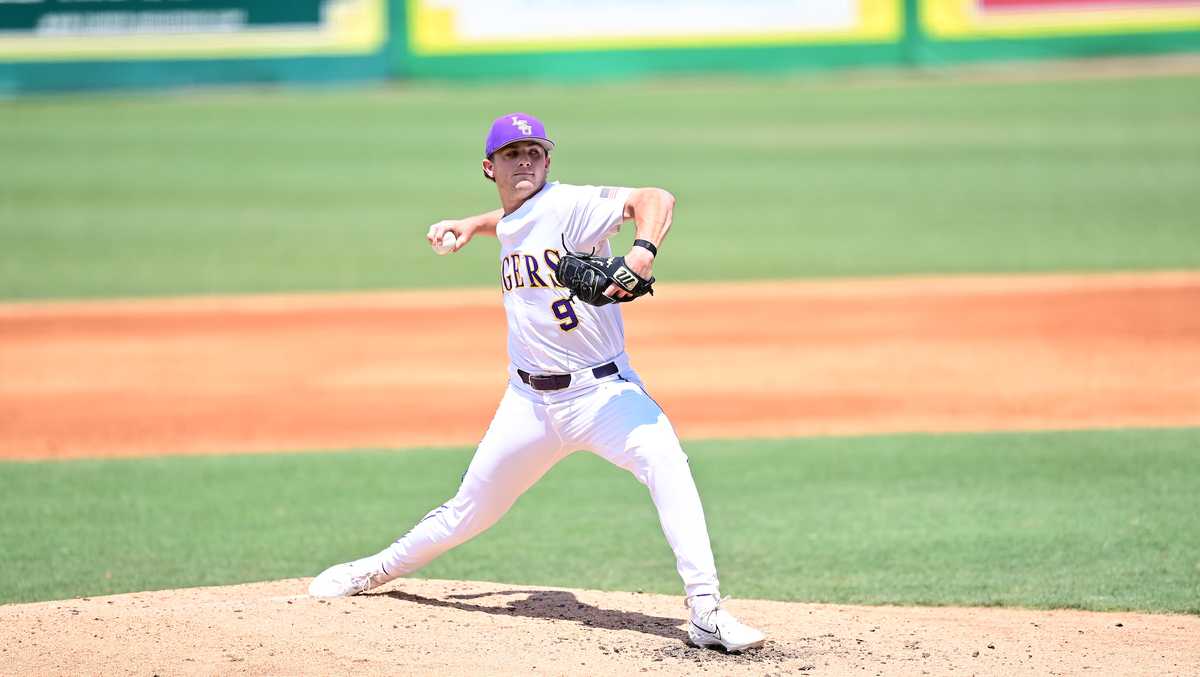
(647, 245)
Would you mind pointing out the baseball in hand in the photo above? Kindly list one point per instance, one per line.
(447, 244)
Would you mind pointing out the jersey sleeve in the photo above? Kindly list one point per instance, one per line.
(596, 215)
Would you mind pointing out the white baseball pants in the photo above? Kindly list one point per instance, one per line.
(531, 431)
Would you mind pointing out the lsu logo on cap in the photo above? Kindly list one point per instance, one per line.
(522, 125)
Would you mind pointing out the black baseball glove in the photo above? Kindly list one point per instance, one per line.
(588, 275)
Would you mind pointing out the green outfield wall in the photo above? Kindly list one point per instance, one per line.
(70, 45)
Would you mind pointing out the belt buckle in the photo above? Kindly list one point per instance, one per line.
(549, 381)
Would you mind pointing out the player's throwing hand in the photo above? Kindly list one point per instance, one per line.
(446, 236)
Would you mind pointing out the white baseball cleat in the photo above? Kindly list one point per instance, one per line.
(351, 578)
(712, 626)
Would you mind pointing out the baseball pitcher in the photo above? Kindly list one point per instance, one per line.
(570, 383)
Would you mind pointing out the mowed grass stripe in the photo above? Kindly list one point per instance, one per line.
(1093, 520)
(266, 191)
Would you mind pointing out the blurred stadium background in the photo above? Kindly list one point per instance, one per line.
(55, 45)
(237, 189)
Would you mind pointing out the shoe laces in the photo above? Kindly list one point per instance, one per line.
(366, 580)
(705, 615)
(376, 578)
(718, 615)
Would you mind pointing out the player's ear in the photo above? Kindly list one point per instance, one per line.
(489, 170)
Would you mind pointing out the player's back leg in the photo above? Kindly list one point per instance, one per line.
(629, 429)
(622, 424)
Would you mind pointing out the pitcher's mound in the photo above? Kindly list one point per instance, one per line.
(464, 628)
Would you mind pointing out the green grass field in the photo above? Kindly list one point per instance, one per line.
(1095, 520)
(776, 177)
(259, 191)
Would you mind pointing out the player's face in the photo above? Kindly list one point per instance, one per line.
(519, 169)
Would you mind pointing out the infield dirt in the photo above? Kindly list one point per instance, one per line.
(222, 375)
(427, 627)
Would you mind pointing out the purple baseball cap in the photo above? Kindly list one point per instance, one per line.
(515, 127)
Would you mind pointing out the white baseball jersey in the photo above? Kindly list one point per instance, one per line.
(547, 334)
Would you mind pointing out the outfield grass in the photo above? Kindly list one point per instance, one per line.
(1093, 520)
(777, 178)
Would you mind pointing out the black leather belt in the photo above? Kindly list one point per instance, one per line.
(560, 381)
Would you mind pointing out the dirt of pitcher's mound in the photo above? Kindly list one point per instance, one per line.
(432, 627)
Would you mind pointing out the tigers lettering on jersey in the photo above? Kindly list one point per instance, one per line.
(535, 276)
(551, 257)
(531, 271)
(516, 269)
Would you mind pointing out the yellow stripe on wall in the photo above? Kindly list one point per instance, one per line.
(951, 19)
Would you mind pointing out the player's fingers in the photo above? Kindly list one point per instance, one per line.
(437, 230)
(615, 292)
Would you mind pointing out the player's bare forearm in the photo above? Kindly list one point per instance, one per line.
(466, 228)
(485, 223)
(652, 210)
